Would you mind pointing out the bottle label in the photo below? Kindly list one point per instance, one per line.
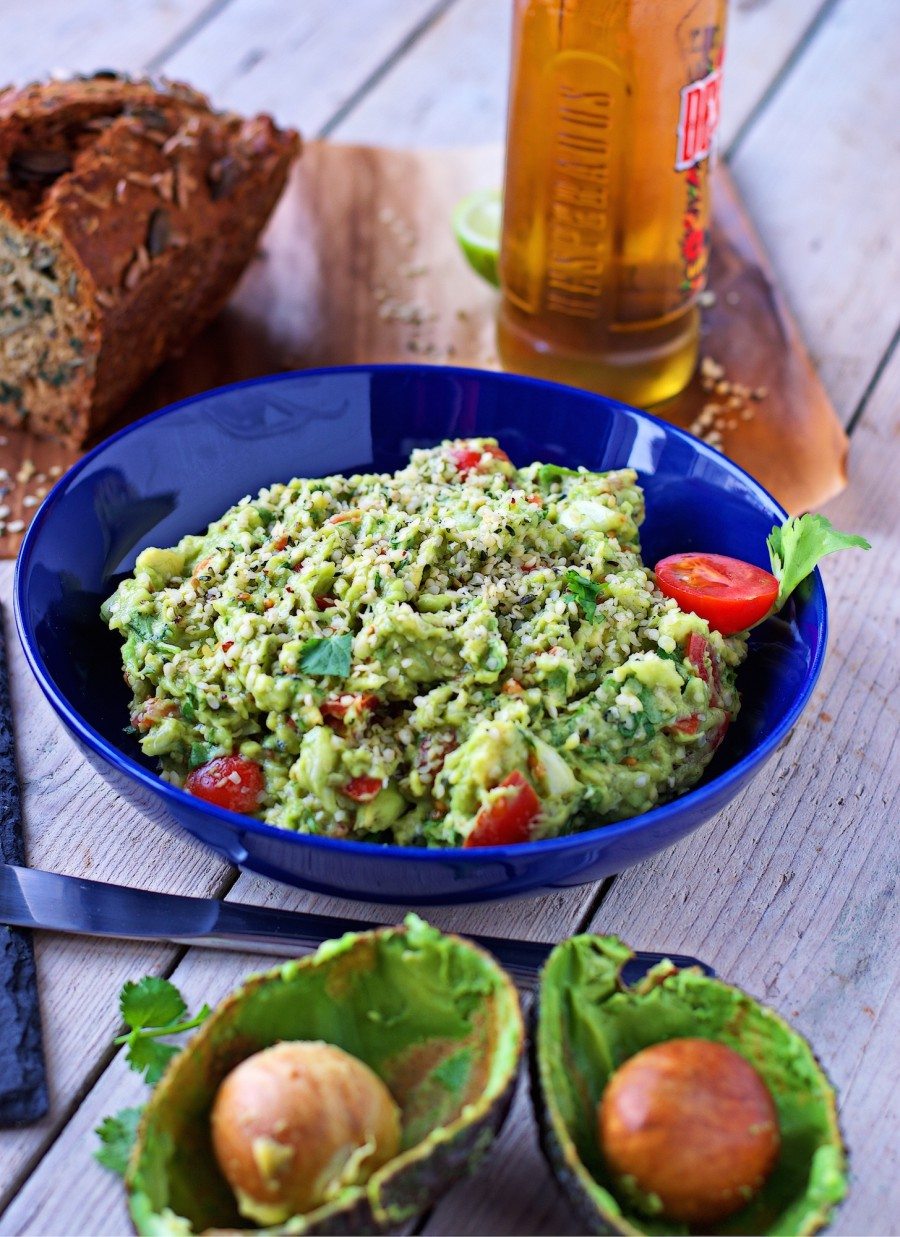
(698, 120)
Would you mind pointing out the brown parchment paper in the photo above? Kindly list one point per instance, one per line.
(360, 264)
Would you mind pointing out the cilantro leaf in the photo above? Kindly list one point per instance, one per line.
(149, 1057)
(152, 1008)
(584, 592)
(117, 1134)
(189, 705)
(151, 1002)
(201, 753)
(327, 655)
(798, 544)
(145, 627)
(645, 723)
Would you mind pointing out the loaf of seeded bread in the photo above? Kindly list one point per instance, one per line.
(128, 210)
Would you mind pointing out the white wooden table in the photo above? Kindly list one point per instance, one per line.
(791, 892)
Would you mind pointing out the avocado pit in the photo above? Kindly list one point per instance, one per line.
(689, 1130)
(294, 1124)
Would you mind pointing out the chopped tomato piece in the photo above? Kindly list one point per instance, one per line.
(152, 711)
(281, 542)
(344, 517)
(466, 457)
(339, 706)
(701, 656)
(324, 602)
(431, 756)
(535, 499)
(362, 789)
(507, 819)
(232, 782)
(226, 645)
(686, 725)
(697, 648)
(729, 593)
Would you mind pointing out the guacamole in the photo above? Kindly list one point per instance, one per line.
(460, 653)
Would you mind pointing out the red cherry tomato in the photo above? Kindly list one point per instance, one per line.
(466, 458)
(231, 782)
(730, 594)
(341, 705)
(508, 819)
(362, 789)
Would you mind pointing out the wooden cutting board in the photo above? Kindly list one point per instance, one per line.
(359, 264)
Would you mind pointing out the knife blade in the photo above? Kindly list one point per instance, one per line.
(23, 1078)
(35, 899)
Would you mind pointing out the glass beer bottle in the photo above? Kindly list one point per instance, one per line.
(612, 118)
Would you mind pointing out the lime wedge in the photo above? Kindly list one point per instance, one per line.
(476, 224)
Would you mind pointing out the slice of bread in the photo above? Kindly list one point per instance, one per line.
(128, 210)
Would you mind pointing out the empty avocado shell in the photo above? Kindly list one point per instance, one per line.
(589, 1022)
(435, 1018)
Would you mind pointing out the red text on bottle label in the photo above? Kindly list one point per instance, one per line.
(698, 119)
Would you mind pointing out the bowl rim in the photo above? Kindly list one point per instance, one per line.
(176, 798)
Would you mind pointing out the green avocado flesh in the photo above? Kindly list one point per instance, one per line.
(388, 650)
(434, 1017)
(589, 1024)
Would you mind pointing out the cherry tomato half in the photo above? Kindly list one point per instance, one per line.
(232, 782)
(508, 819)
(362, 789)
(466, 458)
(729, 593)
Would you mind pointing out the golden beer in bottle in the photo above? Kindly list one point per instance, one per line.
(612, 117)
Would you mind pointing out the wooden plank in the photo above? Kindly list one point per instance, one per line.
(82, 35)
(75, 823)
(790, 892)
(302, 62)
(451, 88)
(759, 46)
(817, 174)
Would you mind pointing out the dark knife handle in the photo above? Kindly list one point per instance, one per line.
(23, 1079)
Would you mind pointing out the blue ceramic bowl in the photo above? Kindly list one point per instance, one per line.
(175, 471)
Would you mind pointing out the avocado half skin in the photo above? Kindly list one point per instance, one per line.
(581, 987)
(433, 1015)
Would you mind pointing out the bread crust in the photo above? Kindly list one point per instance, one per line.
(143, 205)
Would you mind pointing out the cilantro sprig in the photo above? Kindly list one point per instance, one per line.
(584, 592)
(796, 546)
(117, 1135)
(327, 655)
(152, 1008)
